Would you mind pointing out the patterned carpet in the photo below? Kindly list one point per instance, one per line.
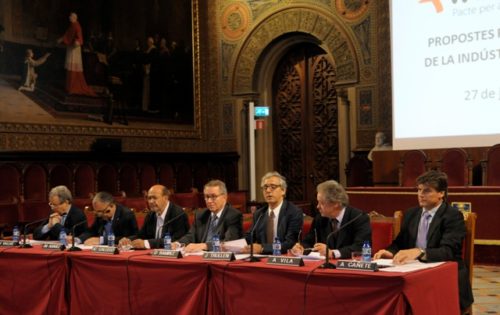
(486, 288)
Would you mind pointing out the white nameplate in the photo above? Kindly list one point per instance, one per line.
(167, 253)
(110, 250)
(285, 261)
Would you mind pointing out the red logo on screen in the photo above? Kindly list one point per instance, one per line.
(437, 4)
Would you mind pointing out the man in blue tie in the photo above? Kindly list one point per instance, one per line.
(432, 232)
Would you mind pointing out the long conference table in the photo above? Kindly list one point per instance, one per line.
(37, 281)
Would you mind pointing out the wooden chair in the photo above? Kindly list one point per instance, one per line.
(384, 229)
(457, 165)
(468, 244)
(412, 164)
(238, 199)
(491, 167)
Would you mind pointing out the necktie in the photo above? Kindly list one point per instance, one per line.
(335, 226)
(63, 219)
(212, 227)
(270, 228)
(423, 228)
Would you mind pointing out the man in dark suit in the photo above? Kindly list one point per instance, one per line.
(335, 212)
(219, 218)
(432, 232)
(64, 216)
(110, 217)
(164, 216)
(279, 218)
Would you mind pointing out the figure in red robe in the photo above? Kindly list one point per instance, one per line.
(73, 39)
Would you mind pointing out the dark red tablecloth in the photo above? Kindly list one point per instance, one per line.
(32, 281)
(137, 283)
(257, 288)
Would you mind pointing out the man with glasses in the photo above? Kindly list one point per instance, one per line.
(334, 213)
(64, 216)
(279, 218)
(110, 217)
(218, 219)
(164, 216)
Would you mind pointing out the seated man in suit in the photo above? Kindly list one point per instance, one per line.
(334, 213)
(218, 219)
(433, 231)
(110, 217)
(279, 218)
(64, 216)
(164, 216)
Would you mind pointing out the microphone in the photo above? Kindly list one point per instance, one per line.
(73, 248)
(171, 220)
(328, 264)
(24, 244)
(252, 258)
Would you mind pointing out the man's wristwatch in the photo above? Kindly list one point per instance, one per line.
(422, 254)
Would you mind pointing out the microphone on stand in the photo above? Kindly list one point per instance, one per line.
(327, 264)
(73, 248)
(24, 244)
(170, 221)
(252, 258)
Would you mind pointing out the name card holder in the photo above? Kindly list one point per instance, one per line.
(53, 246)
(8, 243)
(219, 256)
(285, 261)
(110, 250)
(167, 253)
(357, 265)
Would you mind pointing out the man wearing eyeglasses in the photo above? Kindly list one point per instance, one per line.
(164, 216)
(111, 217)
(349, 227)
(279, 218)
(219, 218)
(64, 216)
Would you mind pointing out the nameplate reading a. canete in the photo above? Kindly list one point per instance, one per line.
(8, 243)
(110, 250)
(357, 265)
(52, 246)
(166, 253)
(221, 256)
(285, 261)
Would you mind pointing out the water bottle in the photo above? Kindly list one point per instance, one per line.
(62, 237)
(15, 234)
(167, 241)
(215, 243)
(111, 239)
(276, 247)
(366, 252)
(102, 238)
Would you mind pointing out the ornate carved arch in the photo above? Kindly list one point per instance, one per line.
(321, 25)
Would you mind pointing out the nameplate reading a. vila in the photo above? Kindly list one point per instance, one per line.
(221, 256)
(8, 243)
(110, 250)
(285, 261)
(52, 246)
(357, 265)
(166, 253)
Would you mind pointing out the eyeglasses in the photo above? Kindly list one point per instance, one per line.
(272, 186)
(53, 205)
(211, 197)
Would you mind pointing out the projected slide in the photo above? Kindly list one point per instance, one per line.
(446, 73)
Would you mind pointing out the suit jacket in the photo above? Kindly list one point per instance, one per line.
(74, 216)
(177, 228)
(348, 239)
(229, 227)
(123, 224)
(444, 242)
(290, 222)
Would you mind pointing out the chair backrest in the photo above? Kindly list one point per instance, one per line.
(188, 201)
(413, 164)
(384, 229)
(491, 167)
(457, 165)
(468, 244)
(238, 199)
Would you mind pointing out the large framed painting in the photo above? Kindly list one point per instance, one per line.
(101, 68)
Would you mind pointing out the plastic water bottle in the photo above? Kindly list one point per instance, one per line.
(62, 237)
(366, 252)
(276, 247)
(215, 243)
(167, 241)
(111, 239)
(15, 234)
